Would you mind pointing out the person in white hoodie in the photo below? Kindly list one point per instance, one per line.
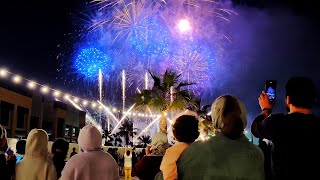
(91, 163)
(36, 164)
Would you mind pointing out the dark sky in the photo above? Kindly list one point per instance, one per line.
(272, 40)
(30, 32)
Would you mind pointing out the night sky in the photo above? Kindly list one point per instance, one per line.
(270, 41)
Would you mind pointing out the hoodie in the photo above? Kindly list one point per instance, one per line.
(36, 165)
(91, 163)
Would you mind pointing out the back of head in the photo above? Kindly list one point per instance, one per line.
(60, 145)
(128, 153)
(21, 147)
(185, 128)
(3, 138)
(301, 91)
(89, 138)
(37, 143)
(229, 116)
(159, 143)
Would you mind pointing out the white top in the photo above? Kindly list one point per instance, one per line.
(127, 160)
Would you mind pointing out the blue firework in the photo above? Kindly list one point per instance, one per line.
(89, 61)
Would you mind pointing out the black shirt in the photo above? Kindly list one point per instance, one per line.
(295, 144)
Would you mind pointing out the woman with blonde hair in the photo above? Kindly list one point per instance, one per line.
(35, 164)
(229, 154)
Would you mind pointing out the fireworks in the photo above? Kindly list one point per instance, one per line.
(194, 63)
(142, 35)
(89, 62)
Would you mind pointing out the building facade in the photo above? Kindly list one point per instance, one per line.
(21, 111)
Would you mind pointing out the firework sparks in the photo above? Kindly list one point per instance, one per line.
(131, 20)
(89, 62)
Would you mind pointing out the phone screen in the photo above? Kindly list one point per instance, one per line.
(270, 89)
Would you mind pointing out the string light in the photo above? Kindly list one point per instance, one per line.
(16, 79)
(31, 84)
(3, 73)
(93, 105)
(66, 96)
(45, 89)
(56, 93)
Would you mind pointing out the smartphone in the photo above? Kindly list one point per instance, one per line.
(270, 89)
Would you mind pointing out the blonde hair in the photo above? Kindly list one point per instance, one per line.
(228, 109)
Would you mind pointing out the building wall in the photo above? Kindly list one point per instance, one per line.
(52, 116)
(17, 100)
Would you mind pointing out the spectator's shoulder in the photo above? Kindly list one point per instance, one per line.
(195, 147)
(276, 117)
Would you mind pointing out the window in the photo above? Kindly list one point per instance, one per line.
(60, 128)
(6, 113)
(22, 117)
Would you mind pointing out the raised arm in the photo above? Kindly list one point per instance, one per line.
(262, 125)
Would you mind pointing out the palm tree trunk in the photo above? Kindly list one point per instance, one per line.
(163, 123)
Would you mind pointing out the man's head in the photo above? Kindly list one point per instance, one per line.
(74, 149)
(185, 129)
(3, 139)
(300, 93)
(60, 146)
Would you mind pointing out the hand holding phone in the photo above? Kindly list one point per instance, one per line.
(270, 89)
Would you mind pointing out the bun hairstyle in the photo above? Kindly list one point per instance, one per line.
(229, 116)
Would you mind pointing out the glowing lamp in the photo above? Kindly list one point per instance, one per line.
(3, 73)
(56, 93)
(44, 89)
(184, 25)
(93, 105)
(84, 102)
(31, 85)
(17, 79)
(76, 100)
(66, 96)
(114, 110)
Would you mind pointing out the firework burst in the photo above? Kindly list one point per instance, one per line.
(89, 62)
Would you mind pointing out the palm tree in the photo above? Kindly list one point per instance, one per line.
(169, 94)
(144, 140)
(117, 140)
(127, 131)
(206, 125)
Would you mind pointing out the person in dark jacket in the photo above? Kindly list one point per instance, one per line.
(294, 136)
(73, 152)
(149, 166)
(59, 150)
(7, 162)
(265, 146)
(21, 149)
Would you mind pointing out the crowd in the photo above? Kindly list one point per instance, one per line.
(287, 147)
